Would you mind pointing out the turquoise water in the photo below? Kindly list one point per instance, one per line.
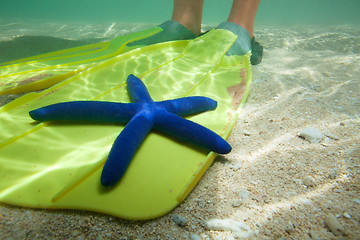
(294, 26)
(154, 11)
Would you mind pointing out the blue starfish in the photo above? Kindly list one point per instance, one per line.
(141, 116)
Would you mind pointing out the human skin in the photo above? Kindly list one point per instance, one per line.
(189, 13)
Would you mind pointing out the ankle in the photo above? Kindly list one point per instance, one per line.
(194, 27)
(248, 26)
(171, 31)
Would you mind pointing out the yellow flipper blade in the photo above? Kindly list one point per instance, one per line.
(46, 70)
(58, 165)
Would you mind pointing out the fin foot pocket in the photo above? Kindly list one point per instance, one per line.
(172, 30)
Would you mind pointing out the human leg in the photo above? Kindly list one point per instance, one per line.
(243, 13)
(241, 22)
(184, 24)
(189, 14)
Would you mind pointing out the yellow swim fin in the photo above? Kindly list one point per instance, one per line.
(43, 71)
(58, 165)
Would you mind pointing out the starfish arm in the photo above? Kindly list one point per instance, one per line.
(137, 90)
(189, 105)
(124, 148)
(191, 132)
(86, 111)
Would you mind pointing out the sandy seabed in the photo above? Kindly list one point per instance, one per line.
(274, 184)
